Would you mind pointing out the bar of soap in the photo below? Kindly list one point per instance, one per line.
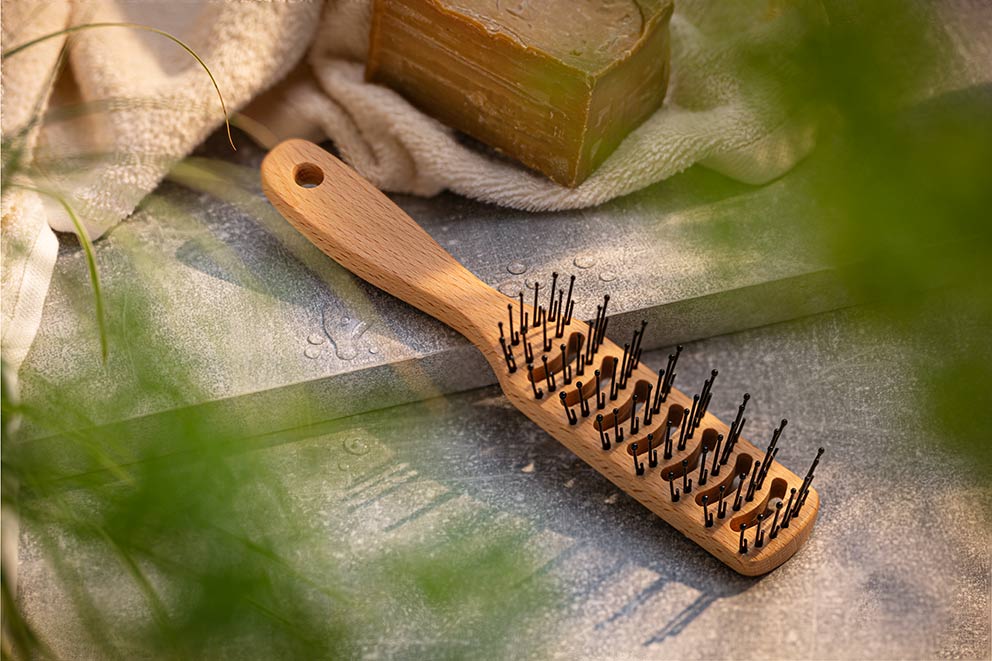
(555, 84)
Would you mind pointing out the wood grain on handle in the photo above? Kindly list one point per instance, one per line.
(363, 230)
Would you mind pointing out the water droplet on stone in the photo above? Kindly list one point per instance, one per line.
(584, 261)
(356, 446)
(314, 338)
(510, 287)
(344, 466)
(373, 350)
(311, 352)
(516, 268)
(607, 276)
(344, 341)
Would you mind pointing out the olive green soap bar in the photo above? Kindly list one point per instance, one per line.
(555, 84)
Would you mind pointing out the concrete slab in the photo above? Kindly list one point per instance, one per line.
(260, 317)
(882, 576)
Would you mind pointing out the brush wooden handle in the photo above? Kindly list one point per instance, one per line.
(363, 230)
(358, 226)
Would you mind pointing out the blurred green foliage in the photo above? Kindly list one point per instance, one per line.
(179, 538)
(901, 178)
(220, 560)
(215, 556)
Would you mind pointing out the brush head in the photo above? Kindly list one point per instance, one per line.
(658, 444)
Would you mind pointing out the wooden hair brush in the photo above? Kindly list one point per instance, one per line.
(657, 444)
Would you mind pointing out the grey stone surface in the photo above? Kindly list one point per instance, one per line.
(898, 566)
(258, 315)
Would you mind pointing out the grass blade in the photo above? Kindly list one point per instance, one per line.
(87, 244)
(134, 26)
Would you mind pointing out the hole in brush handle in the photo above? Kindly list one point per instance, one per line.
(308, 175)
(361, 228)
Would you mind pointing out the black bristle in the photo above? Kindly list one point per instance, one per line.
(770, 452)
(735, 430)
(673, 360)
(774, 531)
(637, 345)
(551, 296)
(652, 452)
(538, 393)
(647, 407)
(601, 330)
(566, 369)
(569, 413)
(788, 509)
(569, 303)
(523, 315)
(511, 362)
(656, 405)
(537, 306)
(634, 422)
(704, 398)
(715, 468)
(739, 499)
(514, 336)
(622, 376)
(752, 484)
(614, 390)
(707, 516)
(604, 438)
(691, 425)
(583, 404)
(638, 465)
(548, 375)
(683, 432)
(600, 395)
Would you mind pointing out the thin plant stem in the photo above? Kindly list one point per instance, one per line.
(136, 26)
(84, 240)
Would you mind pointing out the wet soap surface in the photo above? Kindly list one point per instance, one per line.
(577, 38)
(863, 587)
